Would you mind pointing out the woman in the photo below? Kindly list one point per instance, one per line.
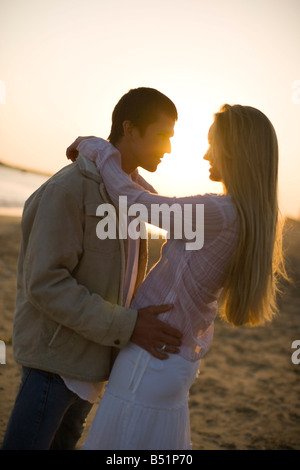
(145, 405)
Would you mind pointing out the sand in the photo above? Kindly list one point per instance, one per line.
(247, 395)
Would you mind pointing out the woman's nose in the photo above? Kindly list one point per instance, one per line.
(206, 156)
(168, 147)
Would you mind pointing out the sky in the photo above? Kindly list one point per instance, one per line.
(64, 64)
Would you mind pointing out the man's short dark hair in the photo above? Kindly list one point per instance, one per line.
(141, 106)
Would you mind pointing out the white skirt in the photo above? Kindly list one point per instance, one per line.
(145, 404)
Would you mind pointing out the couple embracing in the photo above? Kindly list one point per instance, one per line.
(89, 323)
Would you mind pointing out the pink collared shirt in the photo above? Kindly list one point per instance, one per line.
(190, 279)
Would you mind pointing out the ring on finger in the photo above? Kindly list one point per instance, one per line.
(163, 347)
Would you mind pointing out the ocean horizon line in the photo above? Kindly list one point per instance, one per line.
(26, 169)
(15, 188)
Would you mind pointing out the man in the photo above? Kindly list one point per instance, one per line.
(74, 289)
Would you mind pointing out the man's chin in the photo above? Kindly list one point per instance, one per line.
(152, 168)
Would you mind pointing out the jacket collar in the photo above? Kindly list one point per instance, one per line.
(88, 168)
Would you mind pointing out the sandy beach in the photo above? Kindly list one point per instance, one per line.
(247, 395)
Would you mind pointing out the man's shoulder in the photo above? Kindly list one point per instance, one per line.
(74, 173)
(71, 183)
(72, 180)
(70, 171)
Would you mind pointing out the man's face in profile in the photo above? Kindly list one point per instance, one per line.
(149, 149)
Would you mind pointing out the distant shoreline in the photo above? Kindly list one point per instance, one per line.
(25, 170)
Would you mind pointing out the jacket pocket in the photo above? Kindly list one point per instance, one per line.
(54, 335)
(62, 336)
(101, 231)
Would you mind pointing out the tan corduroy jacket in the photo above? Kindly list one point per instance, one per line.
(69, 319)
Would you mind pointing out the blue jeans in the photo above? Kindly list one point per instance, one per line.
(46, 414)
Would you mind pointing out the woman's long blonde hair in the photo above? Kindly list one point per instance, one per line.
(247, 152)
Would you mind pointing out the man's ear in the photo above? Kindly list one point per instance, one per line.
(128, 128)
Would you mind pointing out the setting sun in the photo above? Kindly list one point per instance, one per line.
(62, 75)
(184, 172)
(104, 330)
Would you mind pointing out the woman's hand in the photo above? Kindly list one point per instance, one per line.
(72, 152)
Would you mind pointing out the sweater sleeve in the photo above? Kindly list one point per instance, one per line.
(182, 218)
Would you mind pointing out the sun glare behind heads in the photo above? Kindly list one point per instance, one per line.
(184, 172)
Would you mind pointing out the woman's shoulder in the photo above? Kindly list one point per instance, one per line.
(219, 200)
(222, 199)
(224, 205)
